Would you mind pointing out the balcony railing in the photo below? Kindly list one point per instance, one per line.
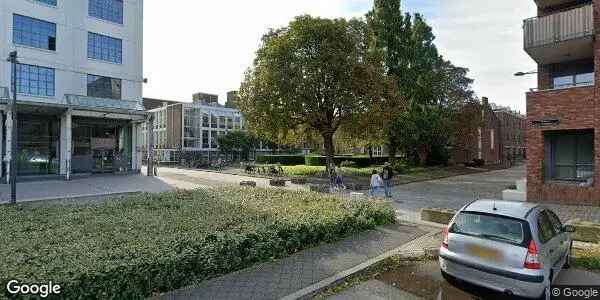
(564, 86)
(567, 25)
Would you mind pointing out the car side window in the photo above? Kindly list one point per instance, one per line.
(556, 224)
(545, 227)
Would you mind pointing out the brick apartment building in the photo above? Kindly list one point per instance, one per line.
(562, 113)
(478, 134)
(512, 133)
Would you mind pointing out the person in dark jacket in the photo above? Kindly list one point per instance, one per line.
(387, 175)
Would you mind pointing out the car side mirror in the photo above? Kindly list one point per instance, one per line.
(569, 228)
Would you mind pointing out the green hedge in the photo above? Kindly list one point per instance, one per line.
(284, 160)
(148, 244)
(359, 161)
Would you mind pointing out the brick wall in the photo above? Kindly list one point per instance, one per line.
(576, 109)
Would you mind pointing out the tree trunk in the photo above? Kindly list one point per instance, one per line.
(329, 151)
(392, 152)
(370, 148)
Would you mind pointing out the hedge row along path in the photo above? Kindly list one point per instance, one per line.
(152, 243)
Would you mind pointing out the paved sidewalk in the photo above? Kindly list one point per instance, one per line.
(91, 187)
(274, 280)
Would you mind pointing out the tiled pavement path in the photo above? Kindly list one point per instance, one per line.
(274, 280)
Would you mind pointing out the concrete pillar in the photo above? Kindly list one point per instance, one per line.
(8, 126)
(66, 126)
(136, 143)
(150, 164)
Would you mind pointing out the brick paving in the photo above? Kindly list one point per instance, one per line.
(277, 279)
(455, 192)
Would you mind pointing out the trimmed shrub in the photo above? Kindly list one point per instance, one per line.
(400, 167)
(479, 162)
(153, 243)
(359, 161)
(348, 164)
(300, 181)
(284, 160)
(248, 183)
(277, 182)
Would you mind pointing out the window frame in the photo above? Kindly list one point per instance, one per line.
(97, 43)
(103, 17)
(18, 31)
(39, 81)
(551, 148)
(120, 96)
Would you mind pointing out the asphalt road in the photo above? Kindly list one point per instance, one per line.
(455, 192)
(424, 281)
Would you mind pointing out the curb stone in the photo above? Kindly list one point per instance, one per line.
(406, 250)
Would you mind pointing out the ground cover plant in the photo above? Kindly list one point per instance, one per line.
(144, 245)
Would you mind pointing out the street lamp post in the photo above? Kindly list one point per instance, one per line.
(13, 140)
(519, 74)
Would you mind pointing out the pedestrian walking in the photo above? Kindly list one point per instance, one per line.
(387, 175)
(376, 183)
(339, 180)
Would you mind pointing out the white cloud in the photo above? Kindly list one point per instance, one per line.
(206, 46)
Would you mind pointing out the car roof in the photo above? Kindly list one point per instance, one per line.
(513, 209)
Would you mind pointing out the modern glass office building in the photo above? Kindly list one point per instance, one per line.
(78, 83)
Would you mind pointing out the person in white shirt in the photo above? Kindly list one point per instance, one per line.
(376, 183)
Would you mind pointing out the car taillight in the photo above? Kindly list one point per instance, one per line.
(445, 238)
(532, 261)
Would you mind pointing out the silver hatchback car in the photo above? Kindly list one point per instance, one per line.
(514, 248)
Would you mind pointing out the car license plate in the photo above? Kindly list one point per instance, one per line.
(484, 253)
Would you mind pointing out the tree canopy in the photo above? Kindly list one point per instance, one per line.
(315, 74)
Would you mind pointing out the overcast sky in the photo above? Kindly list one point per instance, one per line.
(207, 45)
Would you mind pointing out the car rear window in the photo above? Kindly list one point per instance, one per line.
(491, 227)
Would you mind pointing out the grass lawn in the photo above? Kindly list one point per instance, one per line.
(152, 243)
(588, 259)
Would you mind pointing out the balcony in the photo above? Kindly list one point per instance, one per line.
(551, 3)
(560, 37)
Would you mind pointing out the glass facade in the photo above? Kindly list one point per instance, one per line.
(109, 10)
(34, 33)
(105, 48)
(101, 146)
(38, 144)
(103, 87)
(35, 80)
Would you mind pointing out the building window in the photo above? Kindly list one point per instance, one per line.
(205, 143)
(34, 33)
(109, 10)
(105, 48)
(222, 122)
(35, 80)
(213, 139)
(569, 156)
(580, 73)
(213, 121)
(205, 120)
(103, 87)
(49, 2)
(492, 139)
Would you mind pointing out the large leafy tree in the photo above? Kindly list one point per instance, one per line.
(239, 142)
(313, 75)
(428, 87)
